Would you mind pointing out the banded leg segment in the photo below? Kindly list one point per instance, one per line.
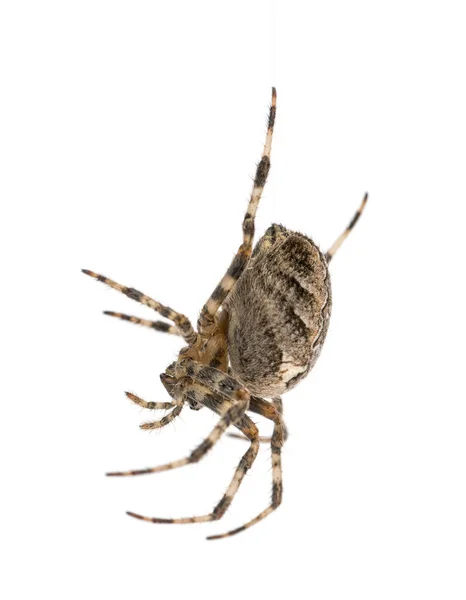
(176, 407)
(265, 439)
(264, 408)
(252, 433)
(233, 413)
(150, 405)
(342, 237)
(164, 420)
(181, 321)
(206, 318)
(157, 325)
(217, 381)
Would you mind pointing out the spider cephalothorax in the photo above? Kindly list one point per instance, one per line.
(258, 335)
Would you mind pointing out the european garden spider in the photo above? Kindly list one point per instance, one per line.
(258, 335)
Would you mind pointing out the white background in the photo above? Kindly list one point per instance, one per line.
(129, 133)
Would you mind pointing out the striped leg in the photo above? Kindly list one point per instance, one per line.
(339, 241)
(206, 318)
(233, 413)
(262, 407)
(176, 406)
(150, 405)
(217, 381)
(183, 324)
(265, 439)
(252, 433)
(164, 420)
(157, 325)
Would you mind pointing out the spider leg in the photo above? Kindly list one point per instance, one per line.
(157, 325)
(342, 237)
(150, 405)
(183, 324)
(252, 433)
(265, 439)
(164, 420)
(264, 408)
(206, 318)
(176, 406)
(216, 380)
(234, 406)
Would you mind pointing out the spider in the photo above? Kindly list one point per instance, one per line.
(259, 333)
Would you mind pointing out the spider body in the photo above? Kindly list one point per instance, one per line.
(258, 334)
(278, 313)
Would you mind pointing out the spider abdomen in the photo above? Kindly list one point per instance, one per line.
(278, 313)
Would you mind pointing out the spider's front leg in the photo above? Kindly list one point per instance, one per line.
(176, 407)
(224, 395)
(207, 381)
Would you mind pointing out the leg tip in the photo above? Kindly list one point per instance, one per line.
(135, 515)
(118, 473)
(217, 537)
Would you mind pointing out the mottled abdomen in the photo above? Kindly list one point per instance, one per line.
(278, 313)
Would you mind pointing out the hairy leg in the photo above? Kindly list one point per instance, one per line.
(232, 408)
(264, 439)
(157, 325)
(150, 405)
(164, 420)
(206, 318)
(252, 433)
(181, 321)
(264, 408)
(216, 380)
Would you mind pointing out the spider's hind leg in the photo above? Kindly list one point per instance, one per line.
(342, 237)
(210, 308)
